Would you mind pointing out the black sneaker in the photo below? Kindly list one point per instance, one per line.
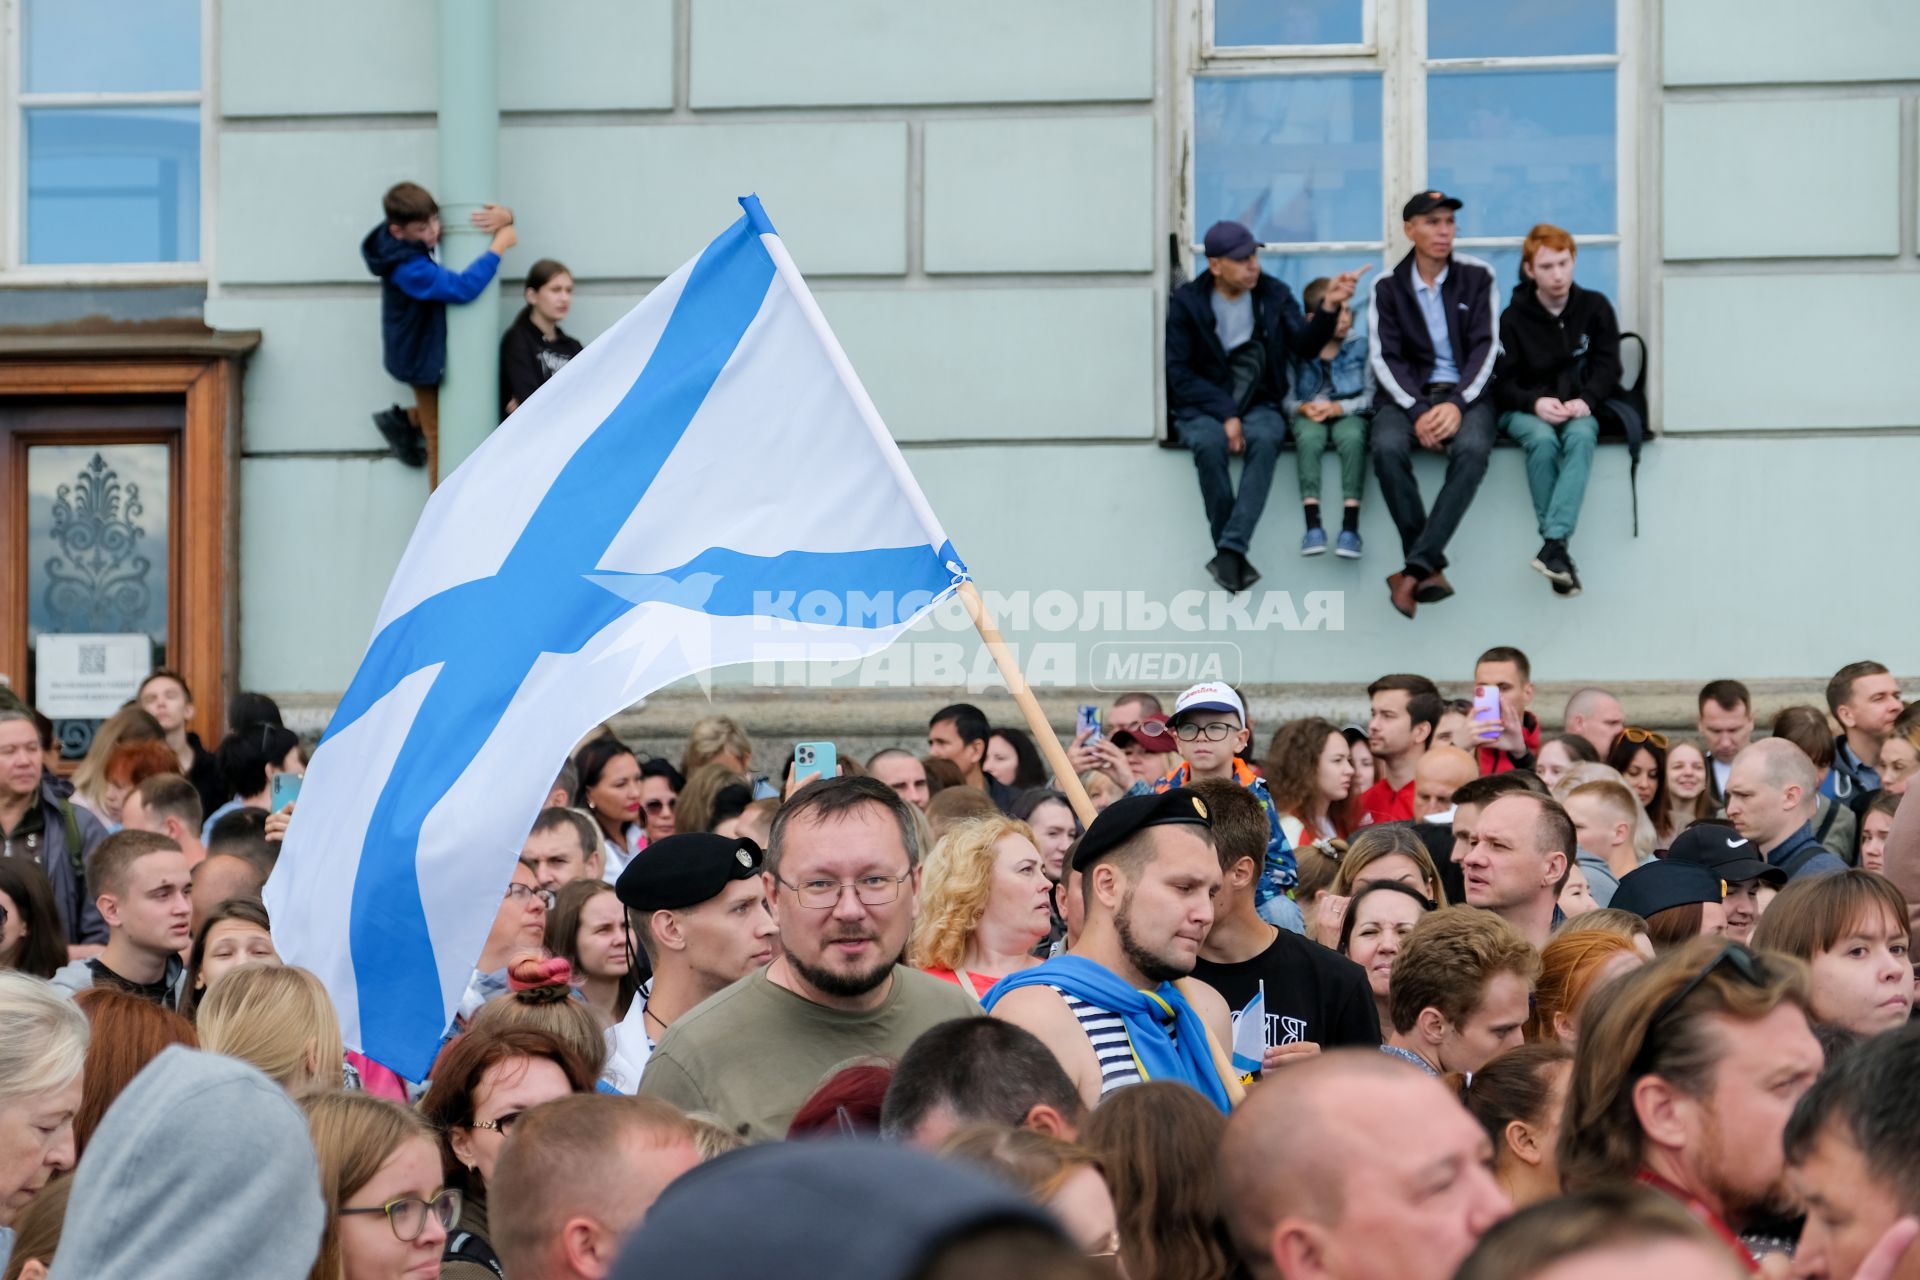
(1568, 588)
(1224, 570)
(1248, 574)
(406, 441)
(1552, 561)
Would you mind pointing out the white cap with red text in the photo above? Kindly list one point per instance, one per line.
(1211, 696)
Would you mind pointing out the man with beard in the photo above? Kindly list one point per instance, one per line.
(1114, 1009)
(843, 875)
(1687, 1073)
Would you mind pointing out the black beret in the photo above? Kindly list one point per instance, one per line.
(1130, 815)
(1662, 885)
(686, 870)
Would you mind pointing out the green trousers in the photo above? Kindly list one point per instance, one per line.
(1349, 438)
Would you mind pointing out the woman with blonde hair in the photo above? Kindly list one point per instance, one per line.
(279, 1018)
(387, 1212)
(131, 723)
(1572, 965)
(984, 904)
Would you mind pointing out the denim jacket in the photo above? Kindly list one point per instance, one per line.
(1347, 379)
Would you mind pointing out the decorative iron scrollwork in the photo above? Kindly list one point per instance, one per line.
(99, 581)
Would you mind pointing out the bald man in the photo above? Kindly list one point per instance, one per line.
(1772, 790)
(1361, 1167)
(1596, 715)
(1440, 772)
(221, 876)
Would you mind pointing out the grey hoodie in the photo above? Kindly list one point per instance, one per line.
(201, 1168)
(77, 976)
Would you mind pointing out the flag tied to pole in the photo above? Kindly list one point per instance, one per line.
(658, 509)
(1250, 1034)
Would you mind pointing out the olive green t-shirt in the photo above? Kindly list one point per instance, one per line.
(753, 1053)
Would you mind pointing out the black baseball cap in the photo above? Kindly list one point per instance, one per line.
(686, 870)
(1130, 815)
(1427, 202)
(1230, 240)
(1660, 886)
(1724, 851)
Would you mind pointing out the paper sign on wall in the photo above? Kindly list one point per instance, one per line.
(88, 677)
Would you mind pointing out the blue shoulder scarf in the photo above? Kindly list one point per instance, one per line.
(1185, 1057)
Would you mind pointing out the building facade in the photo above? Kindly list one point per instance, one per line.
(992, 201)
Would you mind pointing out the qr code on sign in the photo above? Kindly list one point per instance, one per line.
(93, 659)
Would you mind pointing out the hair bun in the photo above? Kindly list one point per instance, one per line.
(547, 976)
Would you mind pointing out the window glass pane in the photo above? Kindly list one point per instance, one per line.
(97, 558)
(1595, 267)
(113, 184)
(1288, 22)
(1518, 28)
(1294, 157)
(1297, 269)
(1522, 147)
(111, 46)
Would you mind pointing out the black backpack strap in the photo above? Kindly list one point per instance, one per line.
(468, 1247)
(1792, 865)
(1826, 823)
(1629, 406)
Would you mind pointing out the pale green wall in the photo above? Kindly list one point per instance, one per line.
(980, 194)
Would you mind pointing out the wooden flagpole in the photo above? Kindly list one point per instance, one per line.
(1043, 735)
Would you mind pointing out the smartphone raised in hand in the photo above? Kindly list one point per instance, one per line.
(815, 760)
(1486, 712)
(1087, 722)
(286, 789)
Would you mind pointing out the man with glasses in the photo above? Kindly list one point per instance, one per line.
(1210, 728)
(1119, 1007)
(697, 911)
(843, 874)
(1687, 1072)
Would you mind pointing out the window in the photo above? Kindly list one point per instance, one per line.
(103, 102)
(1313, 121)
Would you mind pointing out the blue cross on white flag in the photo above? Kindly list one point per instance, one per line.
(656, 510)
(1250, 1034)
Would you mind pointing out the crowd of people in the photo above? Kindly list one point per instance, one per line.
(1437, 995)
(1440, 366)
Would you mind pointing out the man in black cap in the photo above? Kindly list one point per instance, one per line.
(1110, 1008)
(1432, 322)
(1723, 851)
(698, 910)
(843, 874)
(1229, 333)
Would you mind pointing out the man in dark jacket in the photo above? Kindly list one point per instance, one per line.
(1559, 364)
(1431, 323)
(1229, 332)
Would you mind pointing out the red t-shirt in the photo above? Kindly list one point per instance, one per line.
(1382, 803)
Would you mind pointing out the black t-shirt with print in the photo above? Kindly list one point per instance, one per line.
(1312, 993)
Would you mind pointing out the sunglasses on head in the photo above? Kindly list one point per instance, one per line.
(1639, 736)
(1733, 955)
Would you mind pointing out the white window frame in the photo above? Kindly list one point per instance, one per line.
(1395, 49)
(14, 103)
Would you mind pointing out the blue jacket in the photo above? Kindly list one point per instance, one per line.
(1199, 379)
(1787, 855)
(1850, 776)
(1402, 352)
(414, 293)
(1347, 379)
